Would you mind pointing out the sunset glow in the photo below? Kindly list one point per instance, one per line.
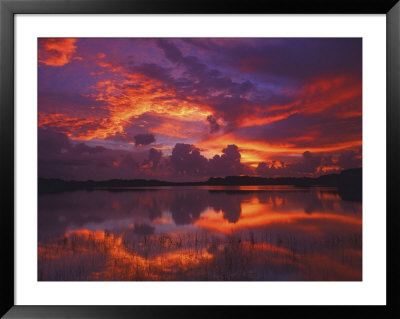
(200, 159)
(292, 105)
(202, 234)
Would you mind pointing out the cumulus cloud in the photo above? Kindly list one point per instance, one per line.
(127, 91)
(226, 164)
(306, 166)
(59, 157)
(269, 169)
(153, 159)
(187, 160)
(144, 139)
(311, 165)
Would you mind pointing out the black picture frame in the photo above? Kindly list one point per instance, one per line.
(8, 8)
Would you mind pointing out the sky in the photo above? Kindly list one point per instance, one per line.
(186, 109)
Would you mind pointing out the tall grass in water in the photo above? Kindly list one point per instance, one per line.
(87, 255)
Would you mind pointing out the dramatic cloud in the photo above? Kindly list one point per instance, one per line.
(186, 159)
(226, 164)
(182, 109)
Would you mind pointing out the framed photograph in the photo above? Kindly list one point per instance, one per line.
(162, 158)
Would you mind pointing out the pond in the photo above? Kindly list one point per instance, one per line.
(200, 233)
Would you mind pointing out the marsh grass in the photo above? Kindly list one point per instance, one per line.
(200, 256)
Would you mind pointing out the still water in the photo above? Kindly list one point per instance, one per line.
(261, 233)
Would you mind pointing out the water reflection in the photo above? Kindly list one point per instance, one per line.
(200, 233)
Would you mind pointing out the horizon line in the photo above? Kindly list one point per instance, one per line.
(208, 178)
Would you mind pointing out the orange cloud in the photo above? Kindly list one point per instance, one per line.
(73, 127)
(254, 120)
(128, 95)
(257, 151)
(57, 51)
(178, 128)
(326, 93)
(135, 95)
(250, 150)
(315, 97)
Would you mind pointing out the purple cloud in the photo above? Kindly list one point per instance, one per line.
(144, 139)
(187, 160)
(226, 164)
(214, 126)
(154, 158)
